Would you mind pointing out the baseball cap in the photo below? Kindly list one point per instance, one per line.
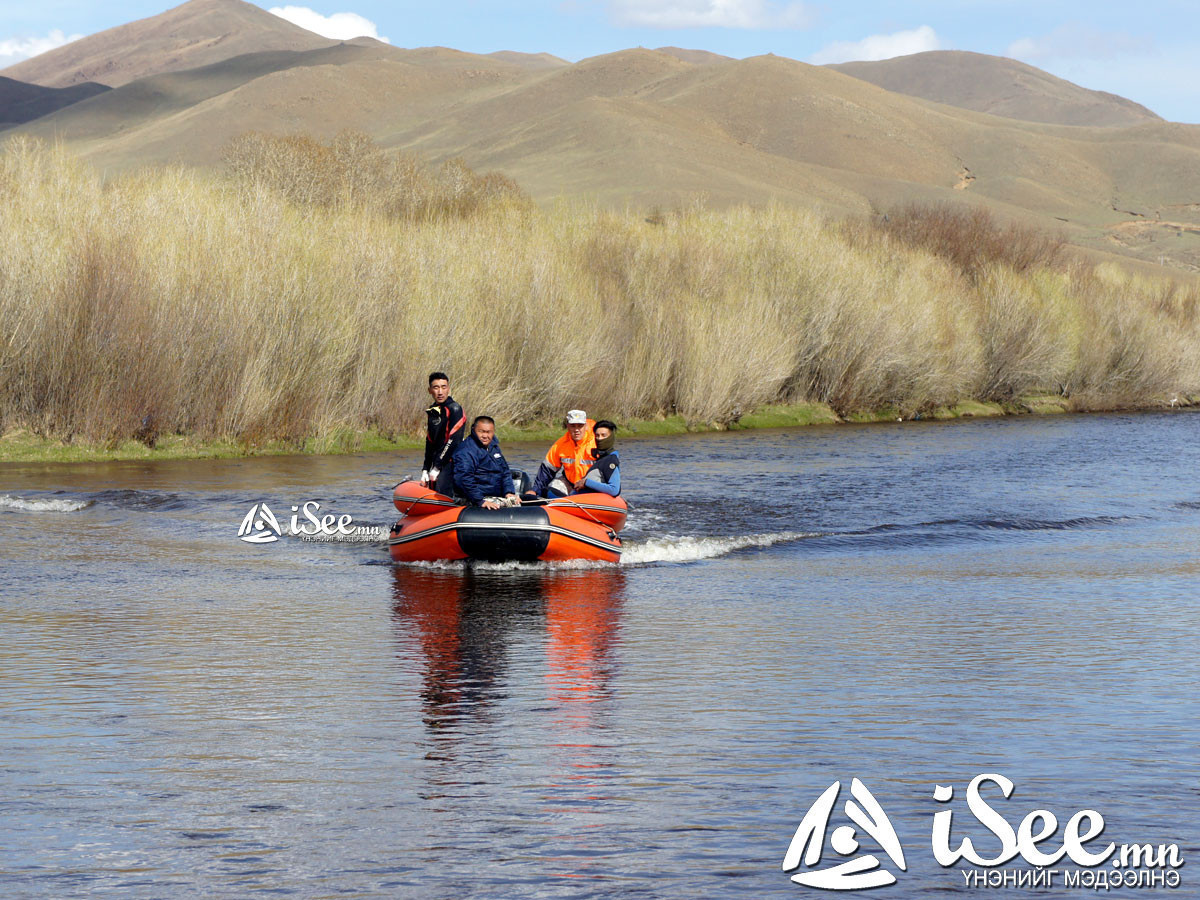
(576, 417)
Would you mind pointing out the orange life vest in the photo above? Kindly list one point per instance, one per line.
(574, 459)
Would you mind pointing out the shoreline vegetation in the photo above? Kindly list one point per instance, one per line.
(22, 447)
(297, 303)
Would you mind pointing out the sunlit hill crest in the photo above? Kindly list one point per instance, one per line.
(649, 127)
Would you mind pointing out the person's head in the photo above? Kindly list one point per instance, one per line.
(439, 387)
(484, 429)
(605, 432)
(577, 424)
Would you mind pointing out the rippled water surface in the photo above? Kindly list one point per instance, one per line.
(185, 714)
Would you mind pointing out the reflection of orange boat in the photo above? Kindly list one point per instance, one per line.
(465, 627)
(434, 527)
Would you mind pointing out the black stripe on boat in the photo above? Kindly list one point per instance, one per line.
(503, 534)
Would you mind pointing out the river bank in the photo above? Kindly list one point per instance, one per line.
(19, 446)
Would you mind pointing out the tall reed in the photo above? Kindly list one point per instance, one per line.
(174, 301)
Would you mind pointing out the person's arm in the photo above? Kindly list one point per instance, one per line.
(456, 422)
(544, 476)
(594, 482)
(431, 442)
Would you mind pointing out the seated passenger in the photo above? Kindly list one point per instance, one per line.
(481, 473)
(605, 474)
(568, 459)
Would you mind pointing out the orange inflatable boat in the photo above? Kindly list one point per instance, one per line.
(435, 527)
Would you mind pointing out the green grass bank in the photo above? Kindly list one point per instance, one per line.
(22, 447)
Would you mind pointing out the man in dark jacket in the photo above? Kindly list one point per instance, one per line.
(605, 474)
(481, 473)
(444, 431)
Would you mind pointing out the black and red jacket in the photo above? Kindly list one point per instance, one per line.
(446, 428)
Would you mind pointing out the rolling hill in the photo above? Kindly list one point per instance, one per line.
(198, 33)
(21, 102)
(668, 127)
(999, 86)
(535, 61)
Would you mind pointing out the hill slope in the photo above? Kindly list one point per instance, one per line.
(699, 57)
(198, 33)
(188, 117)
(535, 61)
(998, 86)
(653, 128)
(21, 102)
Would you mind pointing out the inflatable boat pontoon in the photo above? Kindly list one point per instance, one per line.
(436, 527)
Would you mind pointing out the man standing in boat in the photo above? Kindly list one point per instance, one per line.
(481, 472)
(568, 460)
(445, 430)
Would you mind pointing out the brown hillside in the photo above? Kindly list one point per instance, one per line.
(998, 86)
(21, 102)
(198, 33)
(533, 61)
(643, 127)
(189, 116)
(649, 128)
(161, 100)
(699, 57)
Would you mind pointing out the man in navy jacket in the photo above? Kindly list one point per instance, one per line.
(481, 473)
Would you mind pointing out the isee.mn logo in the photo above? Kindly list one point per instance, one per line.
(259, 526)
(1031, 854)
(854, 874)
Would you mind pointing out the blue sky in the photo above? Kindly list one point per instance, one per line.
(1147, 52)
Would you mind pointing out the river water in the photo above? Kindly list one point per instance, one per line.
(186, 714)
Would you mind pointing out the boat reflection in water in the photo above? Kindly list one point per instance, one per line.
(517, 671)
(466, 623)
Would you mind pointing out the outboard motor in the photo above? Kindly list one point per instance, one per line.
(521, 481)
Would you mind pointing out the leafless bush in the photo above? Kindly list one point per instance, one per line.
(353, 172)
(970, 238)
(170, 302)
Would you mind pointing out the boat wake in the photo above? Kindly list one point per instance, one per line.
(669, 549)
(43, 504)
(691, 549)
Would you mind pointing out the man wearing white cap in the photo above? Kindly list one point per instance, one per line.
(568, 460)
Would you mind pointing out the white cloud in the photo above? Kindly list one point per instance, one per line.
(879, 46)
(339, 27)
(13, 50)
(1078, 41)
(751, 14)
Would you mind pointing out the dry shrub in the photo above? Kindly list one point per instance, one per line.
(354, 172)
(171, 302)
(879, 328)
(970, 238)
(1141, 339)
(1023, 341)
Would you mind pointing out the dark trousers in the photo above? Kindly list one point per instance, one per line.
(445, 481)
